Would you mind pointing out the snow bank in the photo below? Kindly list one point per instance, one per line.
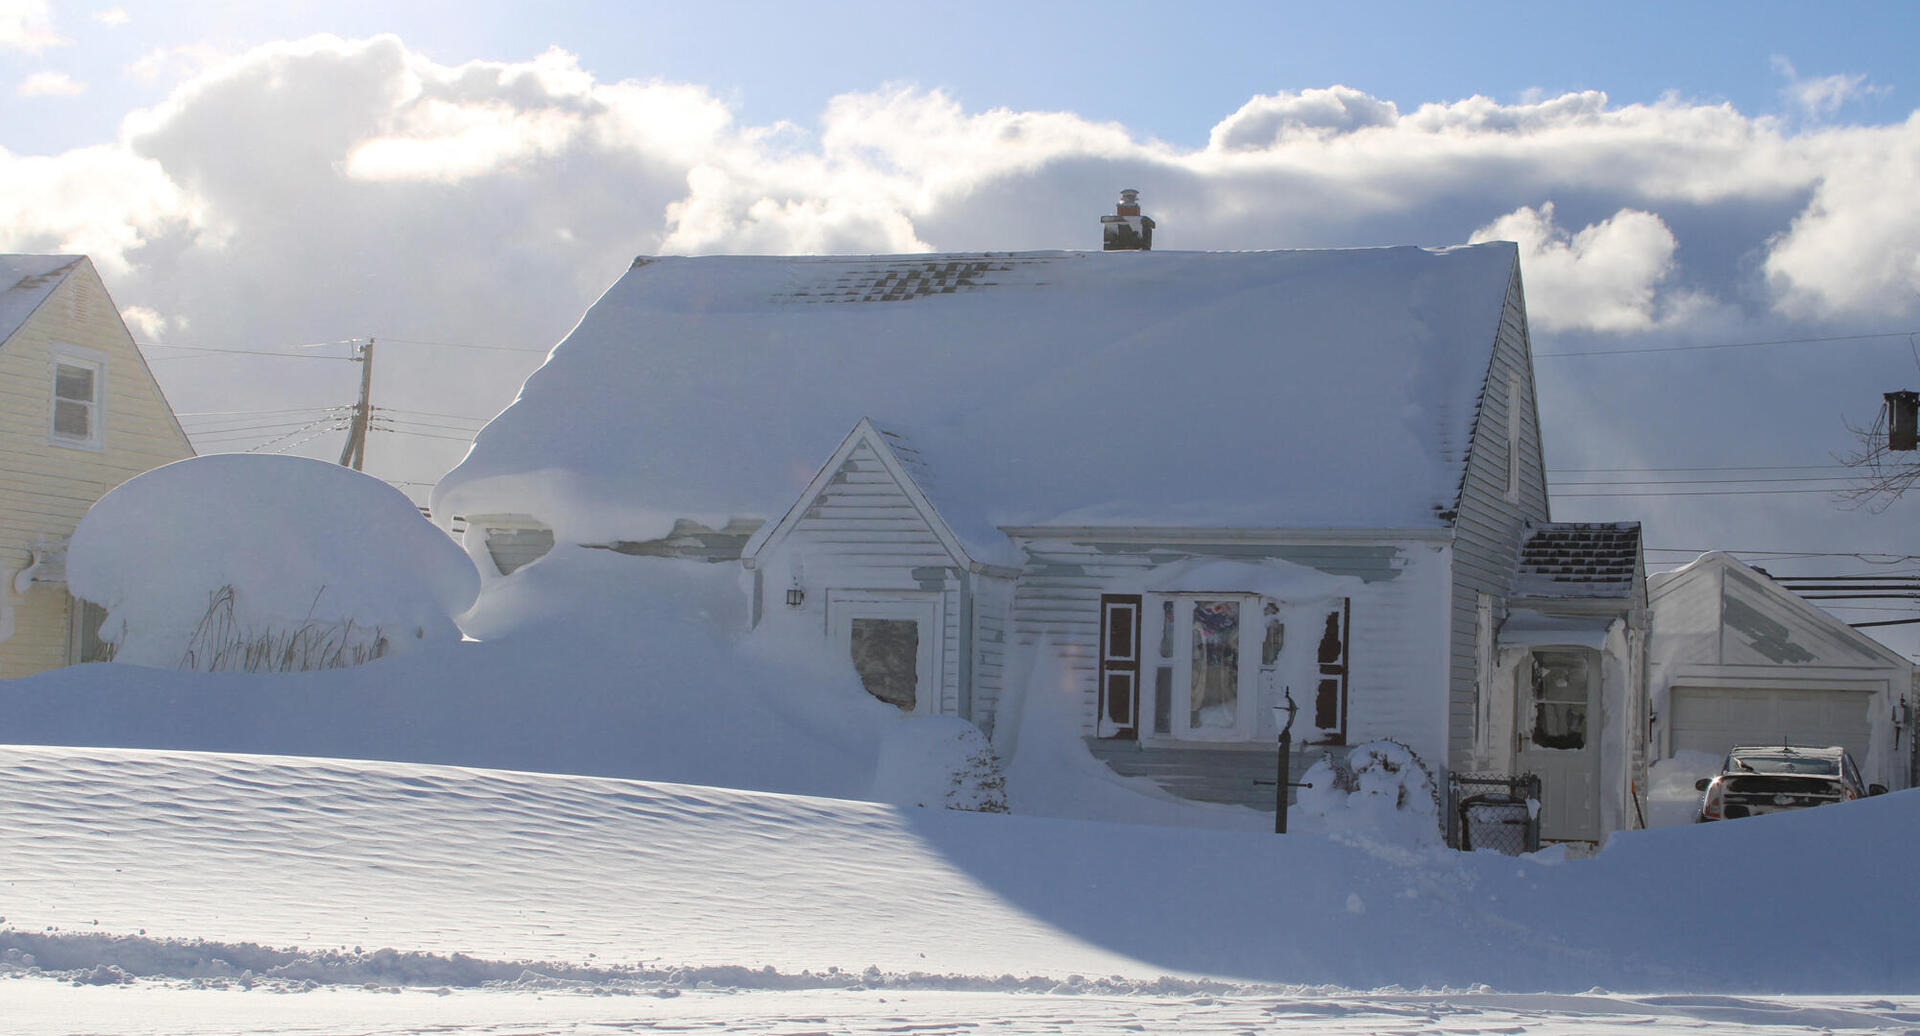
(235, 561)
(338, 861)
(1050, 773)
(1671, 796)
(593, 663)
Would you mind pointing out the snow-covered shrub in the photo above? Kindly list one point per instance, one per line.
(1381, 790)
(939, 761)
(265, 563)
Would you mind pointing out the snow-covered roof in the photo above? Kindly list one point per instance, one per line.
(1579, 559)
(1225, 389)
(25, 282)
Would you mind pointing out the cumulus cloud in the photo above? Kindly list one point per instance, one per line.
(1265, 122)
(1855, 249)
(326, 188)
(50, 84)
(99, 200)
(1601, 278)
(112, 17)
(28, 25)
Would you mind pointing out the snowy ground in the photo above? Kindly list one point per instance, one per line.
(179, 892)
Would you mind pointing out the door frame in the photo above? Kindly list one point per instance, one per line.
(1562, 770)
(925, 607)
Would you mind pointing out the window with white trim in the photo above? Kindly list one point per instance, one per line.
(1220, 662)
(78, 390)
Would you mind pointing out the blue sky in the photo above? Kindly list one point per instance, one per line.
(1165, 70)
(462, 180)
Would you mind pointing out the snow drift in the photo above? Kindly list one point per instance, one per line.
(265, 563)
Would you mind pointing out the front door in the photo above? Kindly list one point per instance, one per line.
(1560, 739)
(893, 639)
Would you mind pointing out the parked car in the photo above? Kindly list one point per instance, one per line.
(1758, 779)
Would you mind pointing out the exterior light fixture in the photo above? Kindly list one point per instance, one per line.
(796, 597)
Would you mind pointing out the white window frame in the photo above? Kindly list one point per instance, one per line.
(1246, 726)
(94, 362)
(927, 608)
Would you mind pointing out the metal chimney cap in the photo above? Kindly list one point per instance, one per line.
(1129, 195)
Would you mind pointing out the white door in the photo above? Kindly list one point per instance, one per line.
(894, 641)
(1559, 712)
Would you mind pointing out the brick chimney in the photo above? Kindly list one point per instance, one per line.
(1126, 230)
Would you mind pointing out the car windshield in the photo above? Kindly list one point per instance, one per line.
(1784, 763)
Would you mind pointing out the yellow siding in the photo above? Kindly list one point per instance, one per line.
(45, 488)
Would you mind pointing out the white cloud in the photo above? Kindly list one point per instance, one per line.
(1602, 278)
(112, 17)
(1316, 114)
(146, 324)
(99, 200)
(1854, 251)
(173, 63)
(1821, 97)
(367, 163)
(50, 84)
(28, 25)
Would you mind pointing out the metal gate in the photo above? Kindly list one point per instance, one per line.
(1494, 811)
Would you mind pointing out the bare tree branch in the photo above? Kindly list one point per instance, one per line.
(1884, 475)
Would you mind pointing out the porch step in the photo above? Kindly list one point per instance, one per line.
(1230, 775)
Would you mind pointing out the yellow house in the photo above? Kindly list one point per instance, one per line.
(81, 414)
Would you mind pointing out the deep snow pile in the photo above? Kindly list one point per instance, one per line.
(265, 563)
(594, 662)
(712, 387)
(340, 860)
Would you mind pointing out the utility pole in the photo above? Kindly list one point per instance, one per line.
(355, 452)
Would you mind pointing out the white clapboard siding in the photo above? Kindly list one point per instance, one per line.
(863, 531)
(1391, 687)
(1488, 523)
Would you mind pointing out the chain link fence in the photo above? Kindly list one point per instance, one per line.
(1494, 811)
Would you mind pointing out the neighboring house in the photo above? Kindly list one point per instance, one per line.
(1736, 659)
(82, 415)
(1176, 487)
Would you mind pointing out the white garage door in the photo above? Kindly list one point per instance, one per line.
(1714, 719)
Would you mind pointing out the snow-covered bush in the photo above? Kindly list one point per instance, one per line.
(1381, 791)
(939, 761)
(263, 564)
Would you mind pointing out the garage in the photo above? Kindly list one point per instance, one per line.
(1714, 719)
(1734, 657)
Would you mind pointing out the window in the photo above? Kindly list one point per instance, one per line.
(1222, 662)
(1119, 665)
(1560, 683)
(77, 385)
(893, 640)
(1513, 440)
(84, 643)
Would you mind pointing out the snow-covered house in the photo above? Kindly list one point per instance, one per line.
(1737, 658)
(83, 414)
(1174, 488)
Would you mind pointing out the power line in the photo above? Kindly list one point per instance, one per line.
(1727, 345)
(1710, 467)
(466, 345)
(202, 352)
(238, 413)
(1696, 492)
(1708, 481)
